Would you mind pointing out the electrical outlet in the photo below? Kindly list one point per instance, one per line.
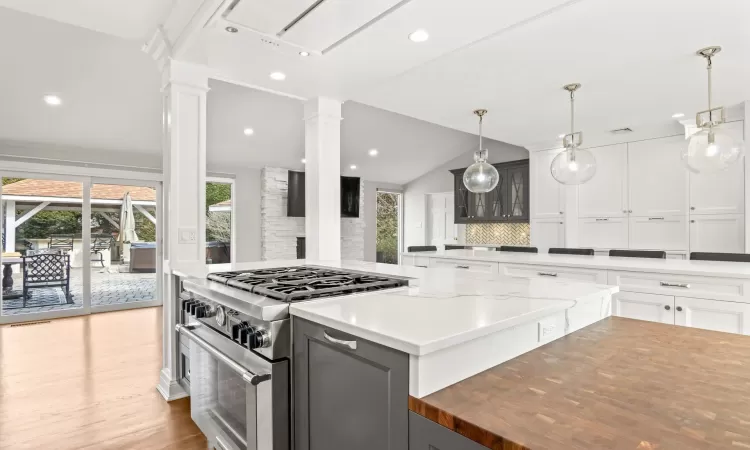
(547, 329)
(187, 236)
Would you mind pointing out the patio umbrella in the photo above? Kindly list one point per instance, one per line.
(127, 221)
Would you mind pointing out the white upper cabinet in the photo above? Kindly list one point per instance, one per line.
(657, 177)
(721, 192)
(603, 232)
(605, 195)
(659, 233)
(547, 233)
(723, 233)
(546, 193)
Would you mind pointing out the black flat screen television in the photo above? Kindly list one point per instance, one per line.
(349, 197)
(295, 206)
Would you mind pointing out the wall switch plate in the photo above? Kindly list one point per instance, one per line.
(187, 236)
(547, 329)
(419, 224)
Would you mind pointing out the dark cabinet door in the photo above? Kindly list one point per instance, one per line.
(425, 434)
(497, 209)
(518, 193)
(460, 199)
(349, 393)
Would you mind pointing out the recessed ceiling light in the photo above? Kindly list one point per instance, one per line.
(248, 131)
(304, 53)
(419, 36)
(278, 76)
(231, 29)
(303, 160)
(52, 100)
(373, 152)
(678, 115)
(353, 167)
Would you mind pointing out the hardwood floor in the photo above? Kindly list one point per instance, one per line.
(89, 383)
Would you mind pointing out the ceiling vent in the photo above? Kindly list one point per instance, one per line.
(625, 130)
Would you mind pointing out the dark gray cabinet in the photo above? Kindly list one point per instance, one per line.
(349, 393)
(508, 202)
(425, 434)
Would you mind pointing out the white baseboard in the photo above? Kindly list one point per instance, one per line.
(170, 389)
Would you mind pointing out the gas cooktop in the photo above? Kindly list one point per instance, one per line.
(293, 284)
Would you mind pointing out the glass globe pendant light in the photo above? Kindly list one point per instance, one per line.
(573, 165)
(481, 176)
(712, 148)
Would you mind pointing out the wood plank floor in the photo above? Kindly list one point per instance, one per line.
(89, 383)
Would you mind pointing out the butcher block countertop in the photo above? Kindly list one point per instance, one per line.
(617, 384)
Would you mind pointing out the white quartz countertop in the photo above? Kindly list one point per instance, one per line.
(675, 266)
(443, 307)
(440, 307)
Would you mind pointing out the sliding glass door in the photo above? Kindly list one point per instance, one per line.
(75, 245)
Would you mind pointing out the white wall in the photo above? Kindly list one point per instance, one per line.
(441, 180)
(246, 207)
(370, 211)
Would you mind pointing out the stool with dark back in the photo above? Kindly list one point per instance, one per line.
(421, 248)
(100, 243)
(657, 254)
(61, 242)
(513, 248)
(46, 270)
(730, 257)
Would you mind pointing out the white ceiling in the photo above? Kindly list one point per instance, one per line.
(109, 88)
(635, 59)
(407, 147)
(129, 19)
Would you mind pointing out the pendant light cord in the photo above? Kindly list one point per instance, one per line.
(710, 113)
(481, 117)
(572, 115)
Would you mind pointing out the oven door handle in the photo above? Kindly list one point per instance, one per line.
(252, 378)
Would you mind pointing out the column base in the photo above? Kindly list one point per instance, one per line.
(170, 389)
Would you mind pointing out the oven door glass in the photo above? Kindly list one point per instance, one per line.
(221, 401)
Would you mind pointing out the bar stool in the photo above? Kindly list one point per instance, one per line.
(571, 251)
(511, 248)
(639, 254)
(421, 248)
(731, 257)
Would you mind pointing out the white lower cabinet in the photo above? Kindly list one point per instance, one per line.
(658, 233)
(603, 232)
(471, 266)
(730, 317)
(547, 233)
(650, 307)
(717, 233)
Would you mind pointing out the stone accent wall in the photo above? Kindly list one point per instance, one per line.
(279, 233)
(498, 233)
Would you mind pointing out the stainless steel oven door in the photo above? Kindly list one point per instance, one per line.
(238, 399)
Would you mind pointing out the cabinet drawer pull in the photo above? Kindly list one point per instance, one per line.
(679, 285)
(462, 267)
(352, 345)
(656, 218)
(546, 274)
(417, 265)
(602, 220)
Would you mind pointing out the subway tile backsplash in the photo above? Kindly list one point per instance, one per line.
(498, 233)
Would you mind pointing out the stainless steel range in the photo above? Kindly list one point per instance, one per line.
(240, 347)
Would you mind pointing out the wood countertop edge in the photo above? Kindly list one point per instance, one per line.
(462, 427)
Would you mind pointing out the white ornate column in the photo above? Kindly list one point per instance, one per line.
(184, 89)
(323, 179)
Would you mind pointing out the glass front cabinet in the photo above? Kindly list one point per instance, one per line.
(508, 202)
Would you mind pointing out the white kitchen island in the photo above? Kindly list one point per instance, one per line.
(454, 325)
(702, 294)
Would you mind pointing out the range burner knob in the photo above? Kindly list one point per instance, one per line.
(202, 311)
(239, 332)
(258, 338)
(186, 305)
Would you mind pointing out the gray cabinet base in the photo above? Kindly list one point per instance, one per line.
(425, 434)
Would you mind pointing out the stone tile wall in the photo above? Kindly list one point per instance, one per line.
(279, 233)
(498, 233)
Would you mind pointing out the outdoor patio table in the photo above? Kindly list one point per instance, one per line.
(8, 292)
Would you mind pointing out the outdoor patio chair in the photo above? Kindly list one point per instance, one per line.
(61, 242)
(46, 270)
(98, 246)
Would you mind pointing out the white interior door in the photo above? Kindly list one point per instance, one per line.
(605, 195)
(441, 214)
(657, 178)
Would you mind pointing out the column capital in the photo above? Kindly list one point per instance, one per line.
(185, 74)
(322, 108)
